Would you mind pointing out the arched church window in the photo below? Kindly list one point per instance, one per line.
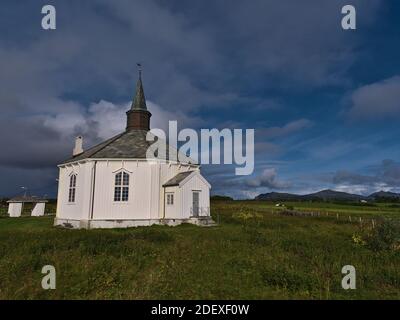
(72, 188)
(121, 188)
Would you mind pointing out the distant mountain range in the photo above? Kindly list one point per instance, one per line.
(327, 195)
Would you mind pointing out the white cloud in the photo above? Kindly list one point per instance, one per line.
(110, 118)
(268, 179)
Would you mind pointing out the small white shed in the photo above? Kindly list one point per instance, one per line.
(14, 209)
(187, 195)
(15, 206)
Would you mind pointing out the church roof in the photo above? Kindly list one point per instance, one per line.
(130, 144)
(139, 102)
(175, 181)
(24, 199)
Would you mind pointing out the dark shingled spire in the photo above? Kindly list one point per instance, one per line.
(139, 103)
(138, 117)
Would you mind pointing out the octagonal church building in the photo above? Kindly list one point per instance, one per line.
(114, 184)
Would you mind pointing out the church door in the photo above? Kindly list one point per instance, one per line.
(196, 196)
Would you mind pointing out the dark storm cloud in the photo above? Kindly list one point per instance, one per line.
(39, 182)
(376, 100)
(297, 42)
(24, 144)
(352, 178)
(386, 174)
(390, 172)
(57, 84)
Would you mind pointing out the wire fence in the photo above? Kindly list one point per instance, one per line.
(351, 218)
(363, 220)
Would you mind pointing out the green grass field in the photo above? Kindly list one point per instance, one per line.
(255, 253)
(390, 210)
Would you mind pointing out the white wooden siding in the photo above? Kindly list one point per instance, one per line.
(79, 209)
(146, 194)
(195, 184)
(173, 211)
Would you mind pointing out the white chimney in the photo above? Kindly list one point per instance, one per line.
(78, 149)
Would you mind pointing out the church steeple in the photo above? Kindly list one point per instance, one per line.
(138, 117)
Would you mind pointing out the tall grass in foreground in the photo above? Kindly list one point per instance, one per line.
(252, 254)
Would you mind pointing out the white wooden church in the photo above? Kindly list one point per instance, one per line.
(114, 185)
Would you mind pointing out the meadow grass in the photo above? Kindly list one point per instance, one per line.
(371, 210)
(252, 254)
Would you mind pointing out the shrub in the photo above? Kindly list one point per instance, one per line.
(246, 217)
(358, 239)
(386, 236)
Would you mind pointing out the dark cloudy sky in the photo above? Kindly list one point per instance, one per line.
(325, 102)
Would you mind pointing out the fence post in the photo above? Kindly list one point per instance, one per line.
(337, 216)
(373, 224)
(350, 218)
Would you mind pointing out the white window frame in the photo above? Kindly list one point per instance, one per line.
(121, 187)
(170, 198)
(72, 188)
